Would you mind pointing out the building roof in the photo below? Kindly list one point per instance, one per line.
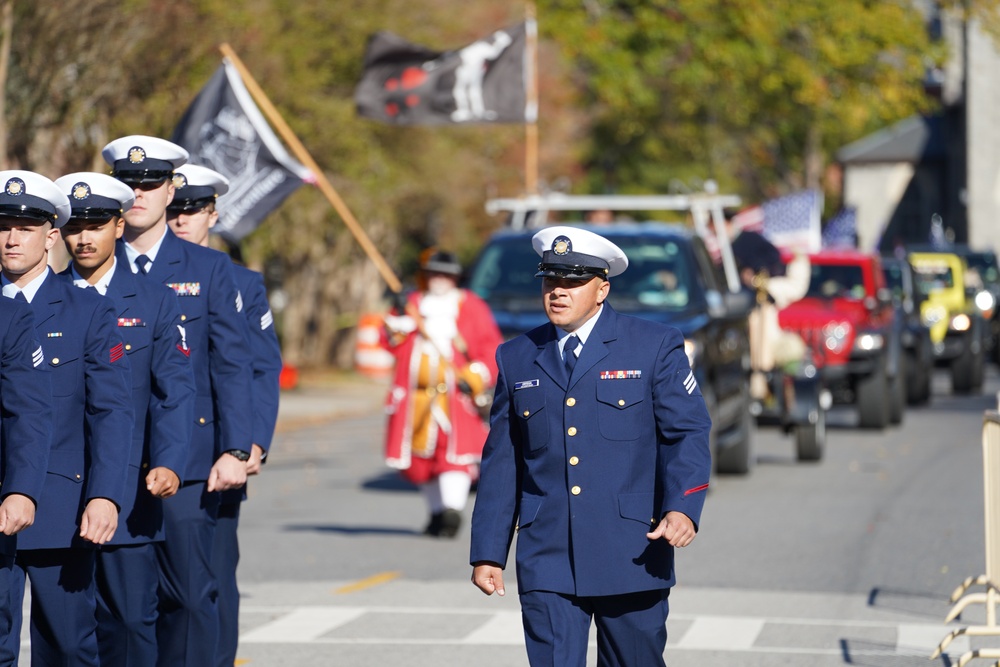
(913, 139)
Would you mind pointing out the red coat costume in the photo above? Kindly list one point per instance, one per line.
(432, 425)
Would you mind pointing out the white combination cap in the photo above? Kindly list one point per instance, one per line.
(31, 196)
(576, 254)
(141, 159)
(94, 196)
(196, 186)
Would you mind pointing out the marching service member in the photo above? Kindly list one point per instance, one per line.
(92, 425)
(191, 215)
(149, 321)
(598, 458)
(216, 339)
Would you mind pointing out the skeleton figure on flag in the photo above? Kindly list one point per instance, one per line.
(469, 74)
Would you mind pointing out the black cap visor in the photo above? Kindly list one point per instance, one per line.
(571, 266)
(190, 205)
(27, 207)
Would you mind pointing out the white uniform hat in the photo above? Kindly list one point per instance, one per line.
(141, 159)
(94, 196)
(576, 254)
(197, 186)
(25, 194)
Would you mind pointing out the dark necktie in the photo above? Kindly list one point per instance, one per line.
(94, 289)
(20, 297)
(569, 356)
(142, 262)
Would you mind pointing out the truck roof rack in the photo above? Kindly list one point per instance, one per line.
(703, 207)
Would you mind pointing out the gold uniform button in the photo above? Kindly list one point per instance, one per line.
(621, 401)
(575, 490)
(527, 412)
(571, 430)
(55, 360)
(570, 401)
(573, 460)
(145, 465)
(201, 420)
(78, 476)
(183, 318)
(128, 347)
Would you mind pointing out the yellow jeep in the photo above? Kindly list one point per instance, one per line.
(951, 314)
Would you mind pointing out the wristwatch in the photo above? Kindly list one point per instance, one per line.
(238, 453)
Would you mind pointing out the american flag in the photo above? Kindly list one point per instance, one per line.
(791, 222)
(841, 230)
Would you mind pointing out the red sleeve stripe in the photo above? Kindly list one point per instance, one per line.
(117, 352)
(696, 489)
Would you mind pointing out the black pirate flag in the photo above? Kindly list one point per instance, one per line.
(224, 130)
(483, 82)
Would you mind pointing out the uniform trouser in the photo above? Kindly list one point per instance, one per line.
(63, 606)
(631, 628)
(187, 629)
(11, 599)
(225, 558)
(127, 582)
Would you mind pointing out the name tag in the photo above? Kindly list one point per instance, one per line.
(525, 384)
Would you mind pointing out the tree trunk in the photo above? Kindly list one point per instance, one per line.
(7, 25)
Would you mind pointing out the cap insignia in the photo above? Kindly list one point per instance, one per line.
(81, 191)
(562, 245)
(180, 181)
(136, 155)
(14, 187)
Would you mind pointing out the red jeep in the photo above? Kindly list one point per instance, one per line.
(848, 321)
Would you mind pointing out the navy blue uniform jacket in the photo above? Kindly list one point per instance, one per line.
(25, 408)
(216, 339)
(266, 354)
(584, 468)
(162, 396)
(91, 407)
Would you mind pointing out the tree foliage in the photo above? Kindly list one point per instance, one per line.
(635, 96)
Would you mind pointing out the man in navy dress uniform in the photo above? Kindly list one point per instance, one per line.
(191, 215)
(92, 425)
(215, 337)
(598, 458)
(26, 424)
(163, 399)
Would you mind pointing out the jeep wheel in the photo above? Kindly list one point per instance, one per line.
(735, 455)
(918, 384)
(963, 379)
(810, 439)
(872, 397)
(897, 393)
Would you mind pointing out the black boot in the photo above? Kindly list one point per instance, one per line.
(433, 528)
(450, 521)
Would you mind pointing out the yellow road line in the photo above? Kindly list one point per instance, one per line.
(368, 582)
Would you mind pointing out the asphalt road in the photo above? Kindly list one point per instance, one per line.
(847, 561)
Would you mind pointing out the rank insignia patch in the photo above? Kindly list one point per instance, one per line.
(621, 375)
(37, 357)
(130, 322)
(117, 352)
(690, 383)
(266, 320)
(239, 302)
(186, 289)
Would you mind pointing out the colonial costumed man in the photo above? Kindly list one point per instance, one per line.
(444, 342)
